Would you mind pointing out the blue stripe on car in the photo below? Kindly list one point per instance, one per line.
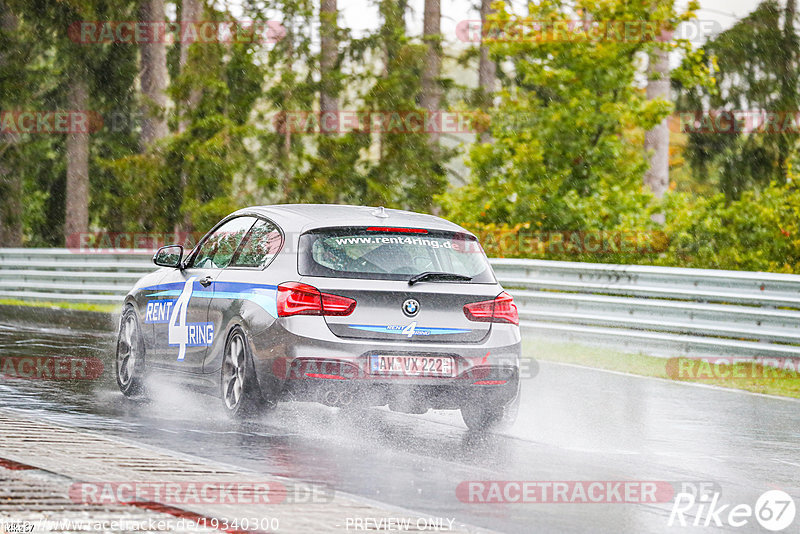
(264, 295)
(398, 329)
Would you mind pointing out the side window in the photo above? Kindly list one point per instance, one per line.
(259, 246)
(216, 252)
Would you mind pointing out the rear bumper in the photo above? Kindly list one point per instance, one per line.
(486, 385)
(339, 369)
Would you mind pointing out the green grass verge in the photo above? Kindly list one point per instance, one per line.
(82, 306)
(747, 376)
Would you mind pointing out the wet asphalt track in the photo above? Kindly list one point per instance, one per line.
(575, 424)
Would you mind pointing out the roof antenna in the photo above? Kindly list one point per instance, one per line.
(380, 212)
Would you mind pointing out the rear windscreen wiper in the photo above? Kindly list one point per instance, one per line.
(432, 275)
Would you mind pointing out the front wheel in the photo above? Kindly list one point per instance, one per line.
(130, 354)
(238, 382)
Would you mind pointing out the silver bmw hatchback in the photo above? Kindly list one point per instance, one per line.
(349, 306)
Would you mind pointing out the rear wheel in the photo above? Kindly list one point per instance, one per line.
(130, 354)
(240, 392)
(480, 416)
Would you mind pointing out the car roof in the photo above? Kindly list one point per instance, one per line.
(303, 217)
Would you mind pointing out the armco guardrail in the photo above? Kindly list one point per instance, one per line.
(656, 310)
(660, 310)
(64, 275)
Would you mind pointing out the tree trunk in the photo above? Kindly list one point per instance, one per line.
(487, 69)
(789, 81)
(10, 183)
(287, 131)
(190, 12)
(657, 139)
(431, 90)
(153, 78)
(77, 201)
(329, 50)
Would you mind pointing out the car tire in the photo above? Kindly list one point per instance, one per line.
(130, 355)
(238, 386)
(480, 417)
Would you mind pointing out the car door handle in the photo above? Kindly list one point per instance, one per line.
(205, 282)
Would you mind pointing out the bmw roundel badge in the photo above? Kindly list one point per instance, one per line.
(411, 307)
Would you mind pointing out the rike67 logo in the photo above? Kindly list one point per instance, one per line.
(774, 510)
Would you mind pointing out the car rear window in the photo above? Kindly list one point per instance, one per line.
(391, 254)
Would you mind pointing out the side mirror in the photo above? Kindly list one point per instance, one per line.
(169, 256)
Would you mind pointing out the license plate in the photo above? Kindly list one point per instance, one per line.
(394, 365)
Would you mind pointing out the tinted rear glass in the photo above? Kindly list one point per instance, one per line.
(391, 255)
(259, 246)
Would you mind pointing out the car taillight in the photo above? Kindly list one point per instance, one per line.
(295, 298)
(500, 310)
(336, 305)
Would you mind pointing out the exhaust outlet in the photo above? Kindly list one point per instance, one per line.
(345, 398)
(337, 398)
(330, 397)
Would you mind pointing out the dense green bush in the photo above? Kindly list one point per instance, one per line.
(758, 232)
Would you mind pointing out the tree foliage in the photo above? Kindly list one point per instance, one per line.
(755, 68)
(566, 152)
(559, 148)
